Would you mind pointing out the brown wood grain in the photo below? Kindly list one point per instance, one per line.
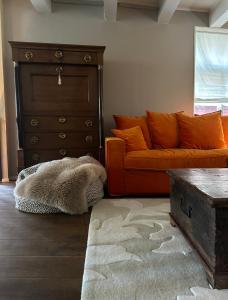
(41, 256)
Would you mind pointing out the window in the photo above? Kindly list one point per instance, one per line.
(211, 71)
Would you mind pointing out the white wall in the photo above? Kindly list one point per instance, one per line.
(146, 65)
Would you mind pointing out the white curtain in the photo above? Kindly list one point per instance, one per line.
(211, 66)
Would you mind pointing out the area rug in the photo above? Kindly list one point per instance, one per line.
(134, 253)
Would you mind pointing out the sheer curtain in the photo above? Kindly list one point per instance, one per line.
(211, 67)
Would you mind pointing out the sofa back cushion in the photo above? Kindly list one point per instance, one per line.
(225, 128)
(126, 122)
(163, 129)
(201, 132)
(133, 138)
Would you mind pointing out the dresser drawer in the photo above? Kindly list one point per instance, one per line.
(32, 157)
(62, 139)
(56, 56)
(59, 123)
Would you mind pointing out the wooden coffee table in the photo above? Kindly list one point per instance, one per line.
(199, 207)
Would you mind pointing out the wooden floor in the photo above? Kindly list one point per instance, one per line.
(41, 256)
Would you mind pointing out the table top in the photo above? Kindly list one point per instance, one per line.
(211, 182)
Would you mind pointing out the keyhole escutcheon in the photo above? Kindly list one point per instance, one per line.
(59, 70)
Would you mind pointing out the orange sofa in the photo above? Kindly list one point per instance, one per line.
(144, 172)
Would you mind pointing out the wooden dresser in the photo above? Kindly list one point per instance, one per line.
(59, 101)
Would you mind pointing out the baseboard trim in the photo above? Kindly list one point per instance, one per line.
(4, 180)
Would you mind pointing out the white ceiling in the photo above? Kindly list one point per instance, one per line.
(188, 5)
(198, 5)
(216, 9)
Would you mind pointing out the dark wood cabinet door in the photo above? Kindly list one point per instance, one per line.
(46, 90)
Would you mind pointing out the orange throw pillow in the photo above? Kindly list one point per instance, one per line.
(133, 138)
(201, 132)
(163, 129)
(126, 122)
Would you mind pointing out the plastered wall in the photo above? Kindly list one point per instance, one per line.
(146, 65)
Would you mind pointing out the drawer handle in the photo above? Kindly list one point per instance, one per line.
(62, 120)
(35, 157)
(58, 54)
(87, 58)
(89, 139)
(62, 135)
(28, 55)
(62, 152)
(34, 140)
(187, 210)
(34, 122)
(89, 123)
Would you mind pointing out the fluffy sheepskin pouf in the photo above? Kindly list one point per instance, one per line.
(69, 185)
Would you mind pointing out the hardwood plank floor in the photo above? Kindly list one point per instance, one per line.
(41, 256)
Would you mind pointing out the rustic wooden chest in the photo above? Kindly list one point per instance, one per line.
(59, 101)
(199, 207)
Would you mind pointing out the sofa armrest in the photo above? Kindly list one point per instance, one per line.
(115, 151)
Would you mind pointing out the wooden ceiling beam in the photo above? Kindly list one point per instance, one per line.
(167, 10)
(42, 6)
(219, 15)
(110, 10)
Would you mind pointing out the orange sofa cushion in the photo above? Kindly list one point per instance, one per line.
(201, 132)
(163, 129)
(176, 158)
(126, 122)
(133, 138)
(225, 128)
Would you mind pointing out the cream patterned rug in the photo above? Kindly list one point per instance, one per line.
(134, 253)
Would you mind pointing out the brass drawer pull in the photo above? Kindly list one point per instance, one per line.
(34, 140)
(34, 122)
(87, 58)
(58, 54)
(28, 55)
(89, 139)
(89, 123)
(35, 157)
(62, 120)
(62, 135)
(62, 152)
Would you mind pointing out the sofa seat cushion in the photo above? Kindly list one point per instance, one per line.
(163, 159)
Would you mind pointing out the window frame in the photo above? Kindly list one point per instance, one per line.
(218, 102)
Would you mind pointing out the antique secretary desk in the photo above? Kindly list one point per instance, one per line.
(59, 101)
